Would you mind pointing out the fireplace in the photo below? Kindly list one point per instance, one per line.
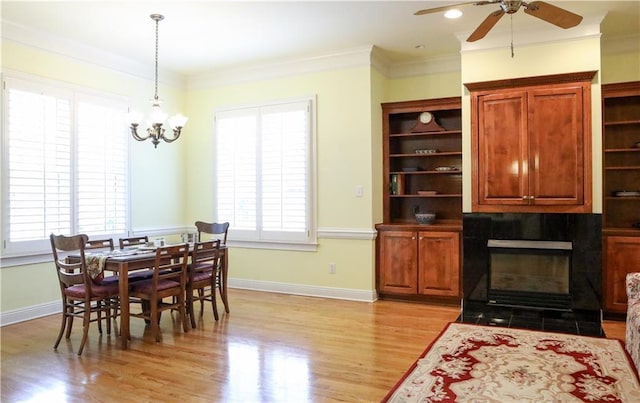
(533, 270)
(534, 274)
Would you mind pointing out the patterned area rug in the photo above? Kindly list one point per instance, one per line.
(472, 363)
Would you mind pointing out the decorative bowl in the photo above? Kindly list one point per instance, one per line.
(425, 218)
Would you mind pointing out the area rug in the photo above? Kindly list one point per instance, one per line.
(472, 363)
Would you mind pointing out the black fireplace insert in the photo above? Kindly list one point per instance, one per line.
(537, 270)
(535, 274)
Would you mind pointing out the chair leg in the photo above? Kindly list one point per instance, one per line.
(63, 324)
(190, 309)
(99, 309)
(70, 322)
(214, 303)
(109, 305)
(201, 298)
(183, 312)
(85, 328)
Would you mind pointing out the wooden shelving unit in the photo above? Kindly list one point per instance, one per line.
(621, 172)
(424, 183)
(422, 173)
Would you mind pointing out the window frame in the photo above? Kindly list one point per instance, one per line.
(255, 238)
(24, 252)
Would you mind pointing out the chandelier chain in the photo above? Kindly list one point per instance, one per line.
(156, 84)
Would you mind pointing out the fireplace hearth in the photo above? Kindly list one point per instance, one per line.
(535, 271)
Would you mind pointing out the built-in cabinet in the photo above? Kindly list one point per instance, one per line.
(422, 171)
(621, 190)
(621, 256)
(531, 144)
(415, 262)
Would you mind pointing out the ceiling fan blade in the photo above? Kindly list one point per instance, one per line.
(486, 26)
(438, 9)
(552, 14)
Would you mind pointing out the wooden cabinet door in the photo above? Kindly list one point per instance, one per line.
(622, 256)
(556, 146)
(439, 264)
(502, 149)
(398, 262)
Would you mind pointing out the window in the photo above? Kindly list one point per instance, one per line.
(263, 168)
(65, 164)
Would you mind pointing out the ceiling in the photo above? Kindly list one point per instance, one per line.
(203, 36)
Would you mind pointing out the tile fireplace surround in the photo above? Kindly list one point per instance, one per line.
(579, 313)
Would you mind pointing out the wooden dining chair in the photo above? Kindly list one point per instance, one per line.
(169, 282)
(133, 241)
(212, 231)
(105, 244)
(203, 277)
(81, 296)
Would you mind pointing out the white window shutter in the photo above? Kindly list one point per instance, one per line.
(262, 172)
(66, 164)
(39, 175)
(101, 168)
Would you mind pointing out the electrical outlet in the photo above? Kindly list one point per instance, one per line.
(332, 268)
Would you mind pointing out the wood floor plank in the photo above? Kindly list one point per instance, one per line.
(270, 348)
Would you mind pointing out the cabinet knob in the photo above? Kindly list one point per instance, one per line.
(413, 238)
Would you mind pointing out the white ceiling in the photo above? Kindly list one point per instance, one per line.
(204, 36)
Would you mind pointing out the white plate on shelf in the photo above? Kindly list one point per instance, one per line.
(446, 169)
(626, 193)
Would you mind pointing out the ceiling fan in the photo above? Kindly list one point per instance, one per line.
(539, 9)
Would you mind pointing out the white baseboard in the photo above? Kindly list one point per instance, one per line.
(306, 290)
(30, 312)
(52, 308)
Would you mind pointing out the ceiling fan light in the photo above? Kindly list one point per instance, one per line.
(453, 13)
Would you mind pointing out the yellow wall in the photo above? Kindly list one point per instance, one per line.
(169, 184)
(441, 85)
(344, 153)
(621, 67)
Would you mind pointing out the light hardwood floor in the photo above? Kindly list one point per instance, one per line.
(270, 348)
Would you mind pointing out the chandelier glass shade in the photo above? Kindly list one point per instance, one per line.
(157, 118)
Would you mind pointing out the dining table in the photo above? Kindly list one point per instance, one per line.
(125, 261)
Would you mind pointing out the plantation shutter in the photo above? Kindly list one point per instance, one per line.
(65, 167)
(285, 131)
(262, 174)
(38, 140)
(236, 176)
(101, 167)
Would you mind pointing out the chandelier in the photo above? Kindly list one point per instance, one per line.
(157, 118)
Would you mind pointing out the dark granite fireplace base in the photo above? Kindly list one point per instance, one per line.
(585, 323)
(583, 317)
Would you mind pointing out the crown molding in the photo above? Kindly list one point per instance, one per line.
(358, 57)
(86, 54)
